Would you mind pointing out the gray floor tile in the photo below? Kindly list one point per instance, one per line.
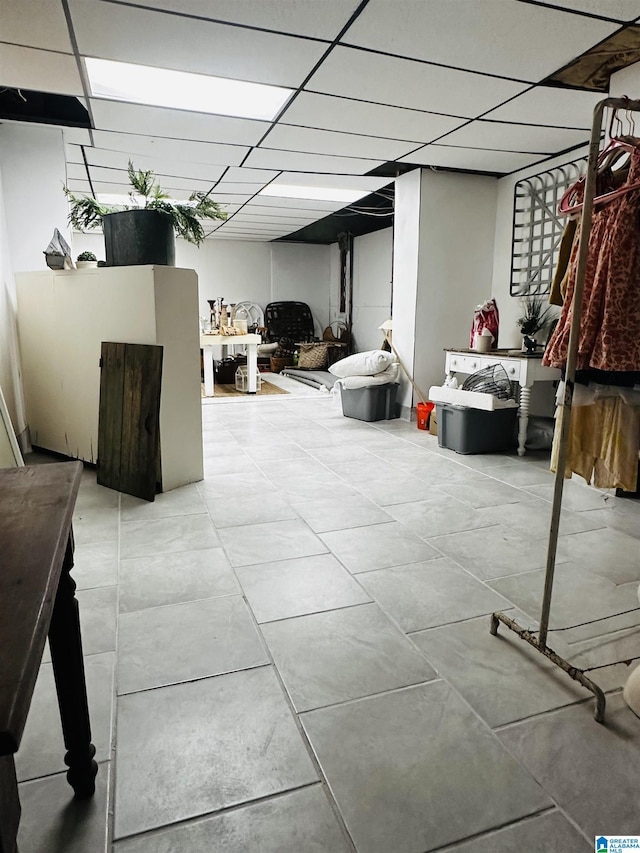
(92, 496)
(305, 489)
(619, 646)
(345, 654)
(565, 749)
(298, 467)
(334, 457)
(485, 492)
(424, 595)
(53, 822)
(416, 769)
(227, 463)
(532, 519)
(98, 616)
(172, 578)
(492, 552)
(95, 525)
(610, 554)
(578, 596)
(194, 748)
(501, 677)
(181, 642)
(276, 449)
(614, 520)
(377, 546)
(228, 485)
(517, 474)
(576, 495)
(264, 543)
(42, 750)
(296, 587)
(328, 513)
(299, 822)
(399, 488)
(249, 509)
(547, 833)
(95, 564)
(183, 501)
(438, 515)
(167, 536)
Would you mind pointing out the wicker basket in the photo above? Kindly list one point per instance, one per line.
(277, 364)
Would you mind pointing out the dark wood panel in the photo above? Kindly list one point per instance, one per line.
(129, 418)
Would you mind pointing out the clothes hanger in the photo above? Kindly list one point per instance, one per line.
(619, 146)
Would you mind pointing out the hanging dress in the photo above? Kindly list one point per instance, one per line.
(610, 324)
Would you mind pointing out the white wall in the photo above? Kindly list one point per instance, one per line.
(372, 254)
(33, 166)
(32, 204)
(442, 267)
(406, 241)
(302, 272)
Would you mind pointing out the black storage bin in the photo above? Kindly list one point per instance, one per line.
(225, 370)
(468, 430)
(375, 403)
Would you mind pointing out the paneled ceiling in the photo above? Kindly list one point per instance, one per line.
(378, 86)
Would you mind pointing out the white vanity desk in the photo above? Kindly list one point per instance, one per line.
(520, 367)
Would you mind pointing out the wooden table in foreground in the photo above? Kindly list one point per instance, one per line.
(37, 598)
(523, 368)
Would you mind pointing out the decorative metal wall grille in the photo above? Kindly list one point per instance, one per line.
(537, 229)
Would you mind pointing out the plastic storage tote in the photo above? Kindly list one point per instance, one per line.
(468, 430)
(375, 403)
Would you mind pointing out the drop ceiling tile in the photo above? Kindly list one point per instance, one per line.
(209, 153)
(111, 175)
(162, 167)
(76, 172)
(73, 153)
(236, 187)
(621, 10)
(300, 204)
(230, 198)
(289, 214)
(77, 186)
(37, 23)
(550, 106)
(515, 137)
(111, 31)
(266, 224)
(266, 158)
(290, 138)
(349, 182)
(496, 37)
(175, 124)
(76, 136)
(472, 159)
(404, 83)
(251, 176)
(322, 20)
(331, 113)
(40, 70)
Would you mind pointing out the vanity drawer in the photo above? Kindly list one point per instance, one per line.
(464, 363)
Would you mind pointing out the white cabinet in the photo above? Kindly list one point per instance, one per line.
(63, 317)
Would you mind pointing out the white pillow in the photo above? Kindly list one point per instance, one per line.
(362, 364)
(353, 382)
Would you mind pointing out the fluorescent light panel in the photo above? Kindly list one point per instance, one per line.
(314, 193)
(182, 90)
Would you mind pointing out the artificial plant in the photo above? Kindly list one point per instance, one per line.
(86, 212)
(534, 315)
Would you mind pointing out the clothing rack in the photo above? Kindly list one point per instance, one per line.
(538, 639)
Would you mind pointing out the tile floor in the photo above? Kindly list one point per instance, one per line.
(293, 655)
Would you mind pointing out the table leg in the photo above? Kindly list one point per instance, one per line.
(252, 368)
(523, 418)
(9, 805)
(65, 643)
(207, 355)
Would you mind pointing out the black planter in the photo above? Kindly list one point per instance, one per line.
(133, 237)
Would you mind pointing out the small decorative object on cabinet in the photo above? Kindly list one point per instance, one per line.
(86, 261)
(142, 231)
(535, 317)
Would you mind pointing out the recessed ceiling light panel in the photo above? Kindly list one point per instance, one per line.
(182, 90)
